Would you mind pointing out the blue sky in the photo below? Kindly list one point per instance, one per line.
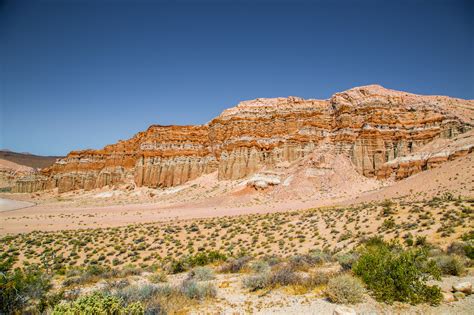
(82, 74)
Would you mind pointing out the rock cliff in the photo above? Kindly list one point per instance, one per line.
(370, 124)
(429, 156)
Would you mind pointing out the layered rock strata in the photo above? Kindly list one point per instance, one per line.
(372, 125)
(428, 157)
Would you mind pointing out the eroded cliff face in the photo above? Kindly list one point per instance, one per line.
(372, 125)
(429, 156)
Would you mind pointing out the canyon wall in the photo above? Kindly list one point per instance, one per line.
(372, 125)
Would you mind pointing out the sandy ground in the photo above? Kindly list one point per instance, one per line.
(45, 218)
(205, 197)
(7, 205)
(232, 299)
(455, 177)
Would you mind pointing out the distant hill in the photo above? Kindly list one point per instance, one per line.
(31, 160)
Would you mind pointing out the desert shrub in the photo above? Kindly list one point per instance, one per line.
(158, 277)
(421, 241)
(469, 250)
(272, 260)
(205, 258)
(201, 274)
(128, 270)
(257, 281)
(346, 260)
(198, 291)
(374, 241)
(116, 284)
(345, 289)
(280, 276)
(317, 257)
(303, 262)
(94, 273)
(260, 266)
(177, 266)
(468, 236)
(299, 262)
(98, 303)
(50, 300)
(450, 265)
(20, 289)
(456, 248)
(200, 259)
(318, 278)
(393, 274)
(153, 298)
(235, 265)
(462, 249)
(284, 276)
(138, 293)
(6, 262)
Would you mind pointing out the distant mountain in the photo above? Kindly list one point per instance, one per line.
(27, 159)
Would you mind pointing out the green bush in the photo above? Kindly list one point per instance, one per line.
(205, 258)
(98, 303)
(200, 259)
(394, 274)
(21, 289)
(345, 289)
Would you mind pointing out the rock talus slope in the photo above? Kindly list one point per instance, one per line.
(371, 125)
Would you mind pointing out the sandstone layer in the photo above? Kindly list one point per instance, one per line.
(430, 156)
(10, 172)
(370, 125)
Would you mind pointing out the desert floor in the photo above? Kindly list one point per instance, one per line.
(206, 198)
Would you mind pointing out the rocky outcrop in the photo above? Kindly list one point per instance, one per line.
(10, 172)
(430, 156)
(372, 125)
(264, 180)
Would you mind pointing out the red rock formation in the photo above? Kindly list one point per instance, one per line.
(371, 124)
(428, 157)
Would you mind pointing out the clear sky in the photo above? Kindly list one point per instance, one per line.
(83, 74)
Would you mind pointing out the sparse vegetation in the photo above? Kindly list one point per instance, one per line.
(266, 252)
(345, 289)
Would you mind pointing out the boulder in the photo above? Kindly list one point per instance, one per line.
(262, 181)
(459, 296)
(448, 297)
(464, 287)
